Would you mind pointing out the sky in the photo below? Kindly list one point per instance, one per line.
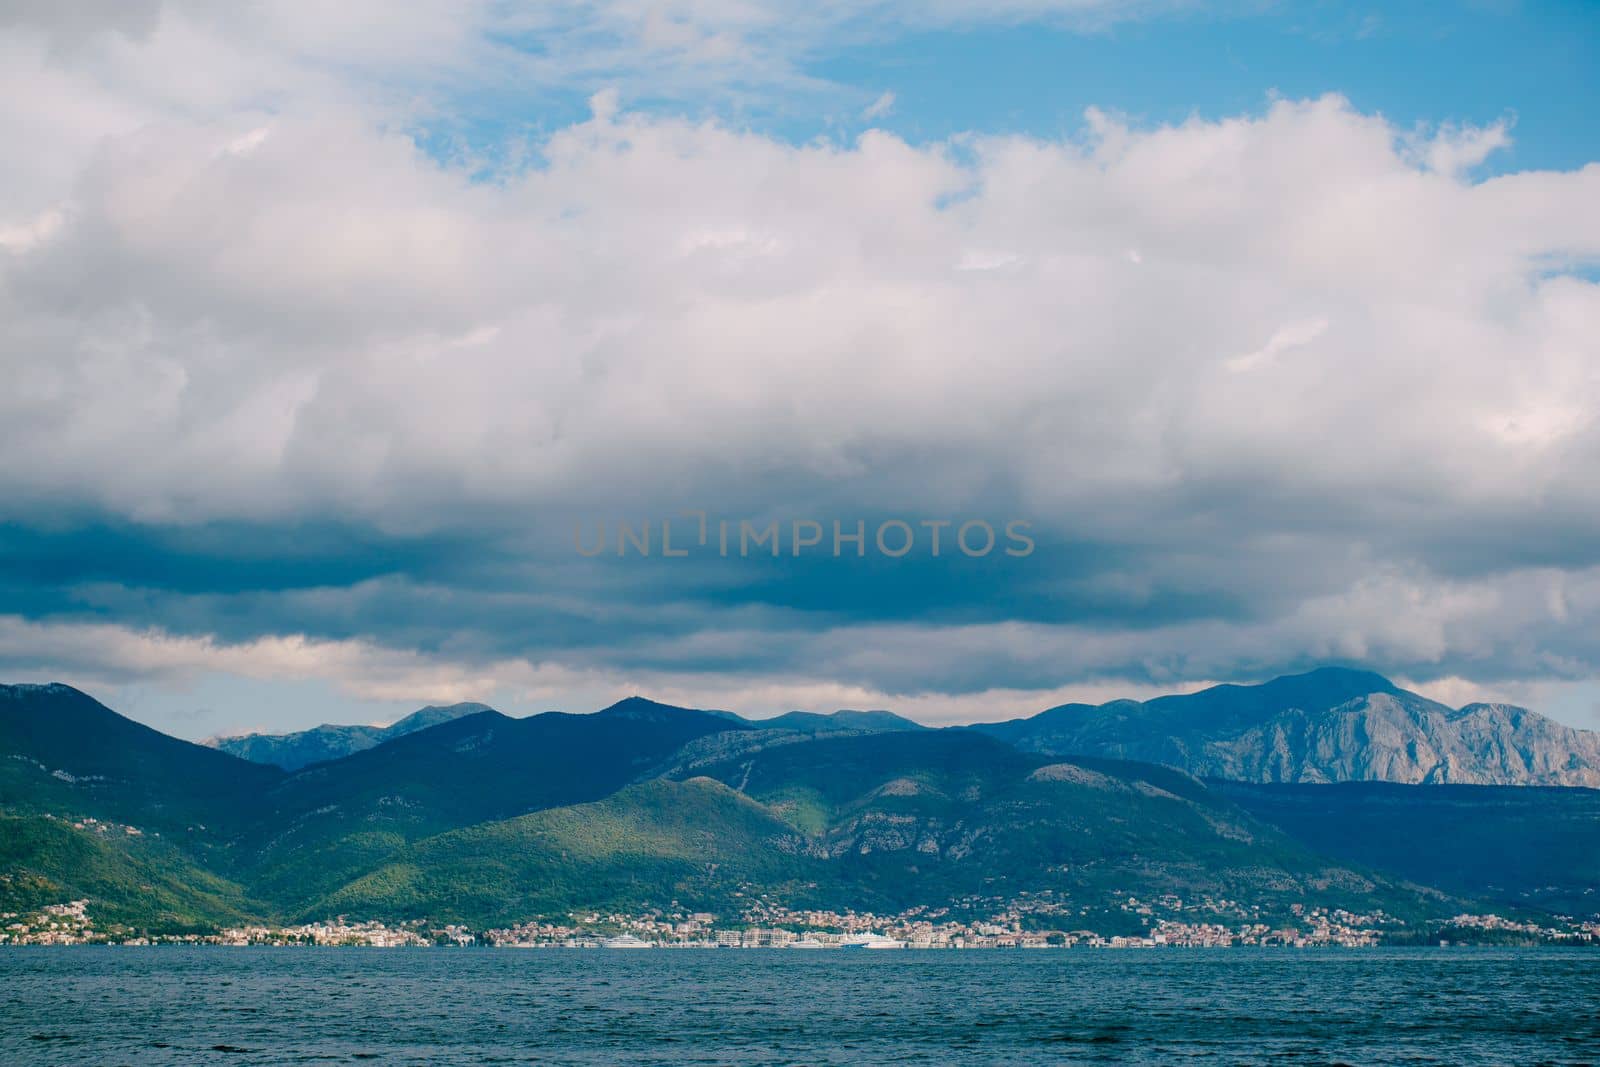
(331, 334)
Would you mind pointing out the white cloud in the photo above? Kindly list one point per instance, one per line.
(230, 289)
(1294, 335)
(879, 107)
(252, 333)
(1452, 150)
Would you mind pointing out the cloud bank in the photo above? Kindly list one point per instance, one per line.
(287, 386)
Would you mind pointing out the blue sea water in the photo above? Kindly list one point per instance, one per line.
(164, 1005)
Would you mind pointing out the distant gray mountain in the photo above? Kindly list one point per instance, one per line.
(325, 742)
(1331, 725)
(802, 722)
(809, 722)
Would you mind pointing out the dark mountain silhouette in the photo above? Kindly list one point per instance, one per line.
(64, 751)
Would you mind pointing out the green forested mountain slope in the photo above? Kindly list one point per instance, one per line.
(907, 819)
(139, 881)
(329, 823)
(695, 842)
(1523, 845)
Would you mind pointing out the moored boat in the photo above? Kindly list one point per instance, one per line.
(626, 941)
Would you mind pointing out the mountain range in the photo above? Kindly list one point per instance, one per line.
(473, 816)
(302, 748)
(326, 742)
(1329, 725)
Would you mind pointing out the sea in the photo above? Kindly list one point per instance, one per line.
(181, 1005)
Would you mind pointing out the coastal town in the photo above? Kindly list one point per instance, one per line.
(1160, 923)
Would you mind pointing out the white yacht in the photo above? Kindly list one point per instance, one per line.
(806, 942)
(871, 941)
(626, 941)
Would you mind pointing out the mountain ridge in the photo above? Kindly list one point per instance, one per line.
(1328, 725)
(61, 748)
(301, 748)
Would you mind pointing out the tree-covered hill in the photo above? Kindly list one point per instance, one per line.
(135, 880)
(1522, 845)
(697, 842)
